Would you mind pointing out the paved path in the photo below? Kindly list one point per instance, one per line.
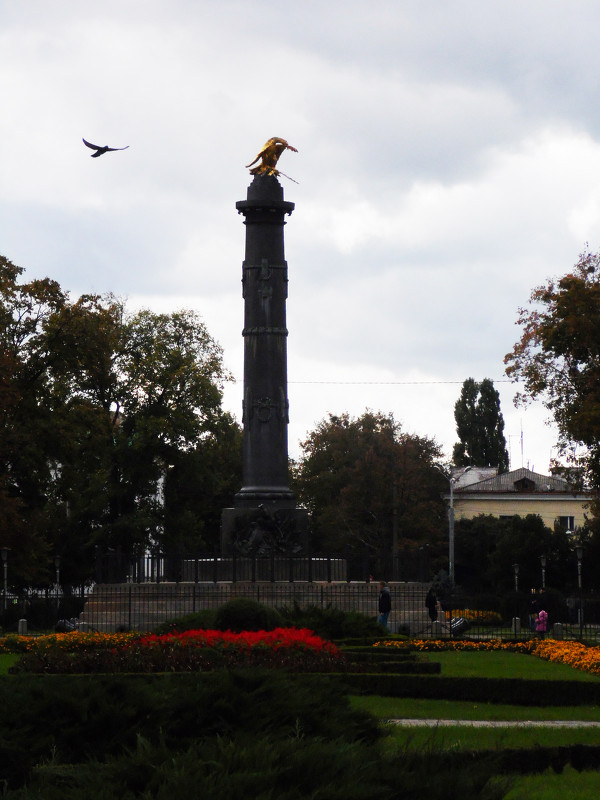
(485, 723)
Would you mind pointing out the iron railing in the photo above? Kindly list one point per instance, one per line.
(118, 567)
(143, 606)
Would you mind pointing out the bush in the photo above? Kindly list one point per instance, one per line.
(241, 614)
(198, 621)
(288, 769)
(511, 691)
(99, 716)
(226, 735)
(331, 623)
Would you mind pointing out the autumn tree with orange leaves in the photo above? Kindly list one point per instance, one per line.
(557, 359)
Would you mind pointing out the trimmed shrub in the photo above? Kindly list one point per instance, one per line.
(225, 736)
(330, 622)
(241, 614)
(199, 620)
(79, 718)
(511, 691)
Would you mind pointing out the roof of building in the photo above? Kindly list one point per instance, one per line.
(465, 476)
(518, 481)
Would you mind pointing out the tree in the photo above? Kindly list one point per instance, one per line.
(149, 394)
(97, 406)
(487, 547)
(480, 427)
(368, 484)
(201, 482)
(26, 430)
(558, 360)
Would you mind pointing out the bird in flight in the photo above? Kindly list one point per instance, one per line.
(101, 150)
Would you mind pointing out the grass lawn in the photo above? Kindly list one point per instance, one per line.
(500, 664)
(570, 785)
(399, 707)
(6, 661)
(491, 664)
(470, 738)
(479, 739)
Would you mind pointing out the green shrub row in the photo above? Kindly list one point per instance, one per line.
(241, 614)
(374, 655)
(530, 760)
(82, 717)
(510, 691)
(241, 734)
(261, 769)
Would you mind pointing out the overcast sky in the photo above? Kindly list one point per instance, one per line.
(448, 162)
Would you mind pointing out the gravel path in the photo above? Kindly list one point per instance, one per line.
(484, 723)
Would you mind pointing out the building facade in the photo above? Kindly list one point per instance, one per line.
(520, 492)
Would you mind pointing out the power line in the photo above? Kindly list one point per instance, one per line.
(390, 383)
(385, 383)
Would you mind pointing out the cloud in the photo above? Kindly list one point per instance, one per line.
(447, 164)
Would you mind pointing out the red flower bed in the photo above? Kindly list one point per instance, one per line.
(299, 650)
(298, 638)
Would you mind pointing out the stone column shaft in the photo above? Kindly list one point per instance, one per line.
(265, 401)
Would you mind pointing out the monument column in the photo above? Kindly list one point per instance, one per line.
(265, 519)
(265, 402)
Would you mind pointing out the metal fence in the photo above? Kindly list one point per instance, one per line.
(144, 606)
(118, 567)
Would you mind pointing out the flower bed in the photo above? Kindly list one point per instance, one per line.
(201, 650)
(68, 642)
(479, 617)
(574, 654)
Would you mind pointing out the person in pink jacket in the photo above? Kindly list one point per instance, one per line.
(541, 623)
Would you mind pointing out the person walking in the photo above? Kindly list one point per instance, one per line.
(541, 623)
(385, 604)
(534, 607)
(431, 603)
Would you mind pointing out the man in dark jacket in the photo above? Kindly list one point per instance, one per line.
(385, 604)
(431, 603)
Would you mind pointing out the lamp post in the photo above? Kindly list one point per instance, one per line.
(4, 554)
(516, 572)
(579, 553)
(57, 568)
(543, 563)
(452, 479)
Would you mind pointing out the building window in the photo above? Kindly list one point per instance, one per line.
(567, 523)
(524, 485)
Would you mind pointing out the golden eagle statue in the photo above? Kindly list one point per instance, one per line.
(269, 156)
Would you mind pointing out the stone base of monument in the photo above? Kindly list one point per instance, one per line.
(265, 530)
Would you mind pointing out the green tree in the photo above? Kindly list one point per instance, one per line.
(557, 359)
(200, 482)
(26, 411)
(96, 405)
(480, 427)
(487, 547)
(367, 484)
(149, 396)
